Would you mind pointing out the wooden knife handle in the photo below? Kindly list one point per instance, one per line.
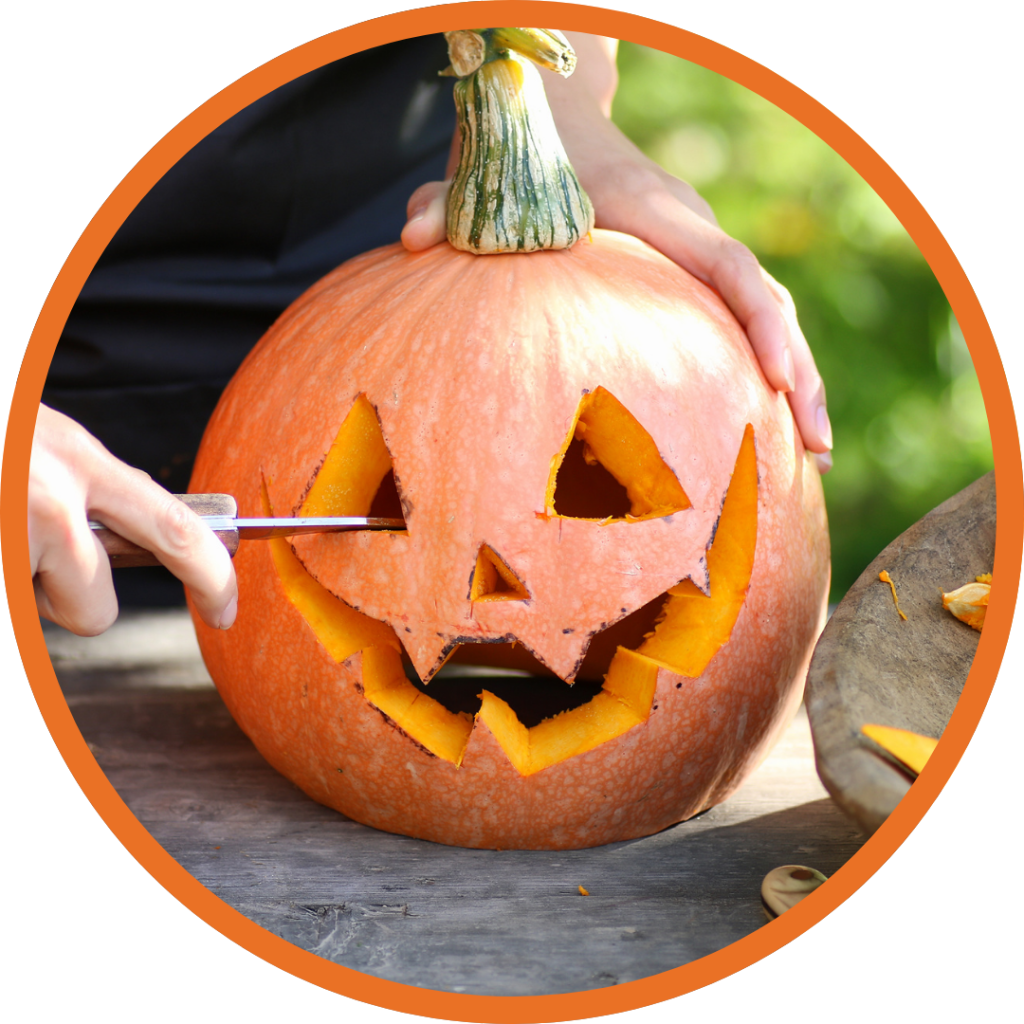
(124, 554)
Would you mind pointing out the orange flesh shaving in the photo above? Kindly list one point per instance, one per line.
(969, 603)
(690, 631)
(909, 747)
(886, 578)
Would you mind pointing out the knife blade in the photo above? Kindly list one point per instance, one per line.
(218, 512)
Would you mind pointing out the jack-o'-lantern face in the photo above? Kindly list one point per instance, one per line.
(598, 487)
(607, 475)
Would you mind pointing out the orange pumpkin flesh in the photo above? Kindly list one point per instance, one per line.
(471, 378)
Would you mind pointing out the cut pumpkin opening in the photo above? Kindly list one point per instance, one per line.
(623, 702)
(533, 696)
(610, 468)
(629, 632)
(692, 627)
(688, 629)
(343, 631)
(387, 504)
(337, 625)
(385, 685)
(493, 580)
(357, 475)
(584, 489)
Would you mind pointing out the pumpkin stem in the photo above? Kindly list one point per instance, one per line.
(514, 190)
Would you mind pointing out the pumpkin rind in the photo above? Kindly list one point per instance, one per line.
(476, 368)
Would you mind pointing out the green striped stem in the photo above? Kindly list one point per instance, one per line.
(514, 190)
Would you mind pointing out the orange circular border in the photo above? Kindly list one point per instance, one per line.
(514, 1009)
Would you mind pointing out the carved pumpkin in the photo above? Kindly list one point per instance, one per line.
(599, 488)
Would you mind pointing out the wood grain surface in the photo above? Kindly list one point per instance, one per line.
(479, 921)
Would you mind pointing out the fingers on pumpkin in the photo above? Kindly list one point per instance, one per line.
(807, 400)
(759, 308)
(759, 303)
(697, 244)
(425, 212)
(807, 397)
(811, 415)
(767, 313)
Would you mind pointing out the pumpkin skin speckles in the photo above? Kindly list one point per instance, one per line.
(473, 407)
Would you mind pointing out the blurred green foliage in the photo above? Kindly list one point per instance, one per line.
(908, 418)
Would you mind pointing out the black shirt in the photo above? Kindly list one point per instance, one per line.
(310, 175)
(314, 173)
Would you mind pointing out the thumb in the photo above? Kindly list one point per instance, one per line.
(426, 216)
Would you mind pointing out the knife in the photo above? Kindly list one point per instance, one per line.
(218, 511)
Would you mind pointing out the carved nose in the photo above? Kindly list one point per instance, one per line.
(493, 580)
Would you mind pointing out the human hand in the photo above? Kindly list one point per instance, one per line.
(632, 194)
(73, 478)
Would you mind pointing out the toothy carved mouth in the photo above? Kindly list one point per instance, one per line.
(689, 631)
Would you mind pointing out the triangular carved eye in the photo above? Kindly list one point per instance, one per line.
(610, 467)
(357, 476)
(493, 580)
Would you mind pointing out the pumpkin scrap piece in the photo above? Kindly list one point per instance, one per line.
(886, 578)
(909, 747)
(970, 602)
(583, 892)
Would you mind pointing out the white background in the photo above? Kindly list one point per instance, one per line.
(88, 88)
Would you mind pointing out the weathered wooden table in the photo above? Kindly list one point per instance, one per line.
(477, 921)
